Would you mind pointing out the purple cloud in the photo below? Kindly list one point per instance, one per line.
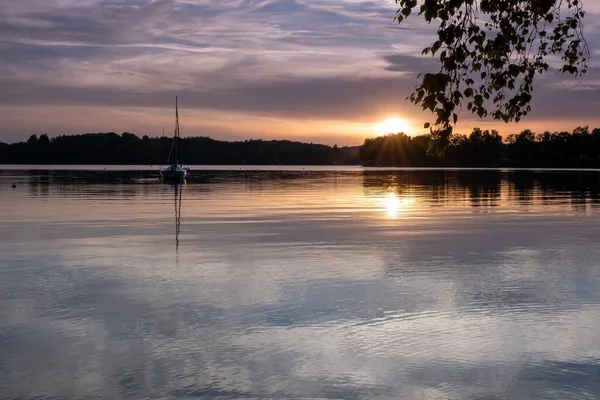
(317, 59)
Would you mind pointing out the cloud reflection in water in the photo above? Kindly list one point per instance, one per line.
(302, 284)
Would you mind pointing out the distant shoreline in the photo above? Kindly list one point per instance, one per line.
(129, 149)
(577, 150)
(274, 168)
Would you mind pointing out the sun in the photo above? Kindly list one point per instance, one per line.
(394, 125)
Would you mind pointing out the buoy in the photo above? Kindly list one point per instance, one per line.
(14, 185)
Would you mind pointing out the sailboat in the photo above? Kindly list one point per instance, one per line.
(175, 171)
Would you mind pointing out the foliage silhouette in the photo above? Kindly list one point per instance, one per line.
(490, 51)
(577, 149)
(481, 148)
(127, 148)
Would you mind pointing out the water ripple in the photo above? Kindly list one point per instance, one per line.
(300, 284)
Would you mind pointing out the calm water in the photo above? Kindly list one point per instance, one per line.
(329, 284)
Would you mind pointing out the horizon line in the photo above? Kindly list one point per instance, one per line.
(413, 135)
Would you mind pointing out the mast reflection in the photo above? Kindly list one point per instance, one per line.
(177, 191)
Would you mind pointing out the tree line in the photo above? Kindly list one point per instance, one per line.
(486, 148)
(127, 148)
(481, 148)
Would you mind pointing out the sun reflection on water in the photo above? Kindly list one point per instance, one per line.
(395, 205)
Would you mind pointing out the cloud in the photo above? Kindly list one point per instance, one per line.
(337, 59)
(399, 62)
(315, 98)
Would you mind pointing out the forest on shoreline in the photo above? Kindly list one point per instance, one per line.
(481, 148)
(129, 149)
(486, 148)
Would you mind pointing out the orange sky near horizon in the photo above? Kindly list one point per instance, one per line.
(227, 126)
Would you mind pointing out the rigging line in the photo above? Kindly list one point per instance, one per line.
(170, 152)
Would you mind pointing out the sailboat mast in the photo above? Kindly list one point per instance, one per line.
(177, 160)
(176, 117)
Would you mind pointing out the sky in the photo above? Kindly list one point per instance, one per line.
(323, 71)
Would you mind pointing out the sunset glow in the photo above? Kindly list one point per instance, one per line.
(394, 125)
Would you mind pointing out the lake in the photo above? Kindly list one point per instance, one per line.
(300, 282)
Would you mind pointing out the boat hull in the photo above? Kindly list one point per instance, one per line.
(173, 173)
